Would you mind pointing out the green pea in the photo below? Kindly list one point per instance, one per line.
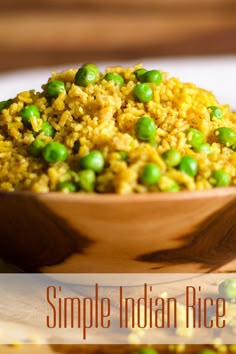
(145, 128)
(194, 137)
(220, 178)
(203, 148)
(143, 92)
(172, 157)
(153, 143)
(87, 179)
(169, 185)
(87, 74)
(226, 136)
(5, 104)
(206, 351)
(123, 155)
(227, 289)
(76, 147)
(139, 72)
(54, 88)
(154, 76)
(150, 174)
(189, 166)
(47, 129)
(28, 112)
(233, 147)
(67, 186)
(93, 67)
(215, 112)
(147, 351)
(116, 78)
(174, 188)
(54, 152)
(36, 147)
(92, 161)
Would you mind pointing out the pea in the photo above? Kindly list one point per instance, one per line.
(227, 289)
(139, 72)
(116, 78)
(167, 184)
(194, 137)
(5, 104)
(28, 112)
(36, 147)
(215, 112)
(92, 161)
(147, 351)
(172, 157)
(67, 186)
(54, 152)
(54, 88)
(47, 129)
(154, 76)
(220, 178)
(145, 128)
(174, 188)
(226, 136)
(143, 92)
(150, 174)
(189, 166)
(153, 143)
(87, 179)
(203, 148)
(87, 74)
(123, 155)
(206, 351)
(93, 67)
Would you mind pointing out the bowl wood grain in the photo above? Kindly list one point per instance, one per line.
(151, 233)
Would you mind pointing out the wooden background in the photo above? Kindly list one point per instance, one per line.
(51, 32)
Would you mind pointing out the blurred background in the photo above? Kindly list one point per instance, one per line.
(55, 32)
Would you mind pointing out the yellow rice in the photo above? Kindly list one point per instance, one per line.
(102, 116)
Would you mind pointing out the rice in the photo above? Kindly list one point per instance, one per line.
(102, 116)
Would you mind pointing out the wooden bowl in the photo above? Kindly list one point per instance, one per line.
(149, 233)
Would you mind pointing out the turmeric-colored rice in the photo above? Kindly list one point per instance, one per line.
(102, 116)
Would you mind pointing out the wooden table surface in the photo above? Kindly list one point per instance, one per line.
(37, 348)
(52, 32)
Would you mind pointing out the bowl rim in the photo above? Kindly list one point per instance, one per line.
(127, 198)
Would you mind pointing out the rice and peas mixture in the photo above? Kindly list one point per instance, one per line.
(128, 130)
